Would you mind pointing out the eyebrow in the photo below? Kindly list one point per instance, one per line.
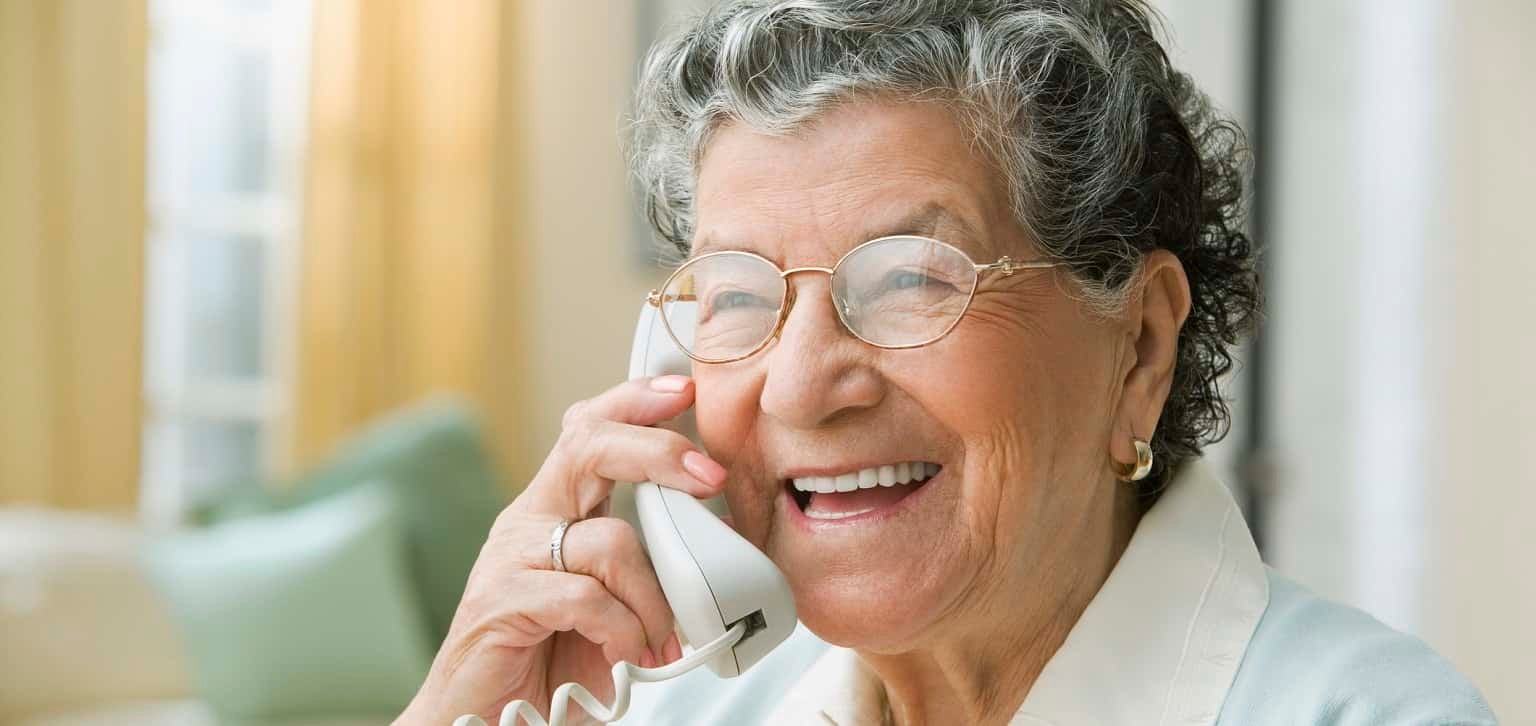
(925, 221)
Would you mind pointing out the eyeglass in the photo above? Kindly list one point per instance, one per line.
(893, 292)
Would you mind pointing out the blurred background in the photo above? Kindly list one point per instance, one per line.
(294, 292)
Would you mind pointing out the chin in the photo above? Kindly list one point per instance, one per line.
(874, 612)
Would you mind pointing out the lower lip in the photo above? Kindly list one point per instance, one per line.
(805, 523)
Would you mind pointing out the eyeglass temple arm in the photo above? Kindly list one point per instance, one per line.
(654, 298)
(1008, 266)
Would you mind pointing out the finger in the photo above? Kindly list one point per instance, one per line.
(642, 402)
(632, 453)
(567, 601)
(609, 549)
(592, 454)
(673, 649)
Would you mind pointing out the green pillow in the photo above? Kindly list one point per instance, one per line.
(305, 612)
(432, 456)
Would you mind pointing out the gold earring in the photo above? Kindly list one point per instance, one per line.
(1142, 467)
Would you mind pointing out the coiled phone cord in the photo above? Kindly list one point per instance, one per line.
(624, 673)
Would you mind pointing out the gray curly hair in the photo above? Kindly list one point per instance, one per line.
(1107, 150)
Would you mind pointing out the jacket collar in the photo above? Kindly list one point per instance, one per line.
(1159, 644)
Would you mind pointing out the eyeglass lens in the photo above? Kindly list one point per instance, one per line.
(896, 292)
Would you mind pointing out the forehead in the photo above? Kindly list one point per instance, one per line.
(863, 170)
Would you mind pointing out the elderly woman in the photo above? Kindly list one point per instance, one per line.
(968, 276)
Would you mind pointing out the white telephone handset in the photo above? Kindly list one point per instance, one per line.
(711, 576)
(731, 602)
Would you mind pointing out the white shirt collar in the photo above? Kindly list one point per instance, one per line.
(1159, 644)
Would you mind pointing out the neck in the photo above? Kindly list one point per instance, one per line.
(977, 668)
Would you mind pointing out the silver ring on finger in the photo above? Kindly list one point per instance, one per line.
(556, 541)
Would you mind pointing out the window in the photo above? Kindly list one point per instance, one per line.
(227, 91)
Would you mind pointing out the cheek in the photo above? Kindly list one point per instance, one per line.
(974, 382)
(990, 398)
(725, 407)
(1026, 403)
(1051, 363)
(726, 410)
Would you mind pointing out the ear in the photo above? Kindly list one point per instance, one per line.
(1157, 307)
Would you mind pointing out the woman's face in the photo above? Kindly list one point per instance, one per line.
(1014, 405)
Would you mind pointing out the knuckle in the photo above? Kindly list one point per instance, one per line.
(675, 443)
(612, 534)
(510, 524)
(619, 544)
(585, 431)
(589, 591)
(575, 412)
(505, 519)
(664, 462)
(626, 625)
(577, 440)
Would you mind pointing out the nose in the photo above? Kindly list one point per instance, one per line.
(817, 372)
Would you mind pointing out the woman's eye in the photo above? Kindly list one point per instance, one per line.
(734, 300)
(904, 280)
(908, 280)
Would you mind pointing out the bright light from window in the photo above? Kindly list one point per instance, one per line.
(227, 91)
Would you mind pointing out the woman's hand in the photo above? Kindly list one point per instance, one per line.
(524, 628)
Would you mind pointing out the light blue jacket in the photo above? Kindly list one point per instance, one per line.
(1189, 629)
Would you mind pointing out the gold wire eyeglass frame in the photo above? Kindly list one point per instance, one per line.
(1005, 264)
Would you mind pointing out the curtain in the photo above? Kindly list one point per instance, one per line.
(72, 221)
(468, 226)
(398, 211)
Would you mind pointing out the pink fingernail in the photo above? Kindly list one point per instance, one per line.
(647, 659)
(704, 469)
(670, 384)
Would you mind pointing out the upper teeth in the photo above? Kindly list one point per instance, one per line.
(885, 476)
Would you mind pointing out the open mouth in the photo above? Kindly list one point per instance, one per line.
(859, 492)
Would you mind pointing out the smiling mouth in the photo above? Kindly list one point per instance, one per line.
(859, 492)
